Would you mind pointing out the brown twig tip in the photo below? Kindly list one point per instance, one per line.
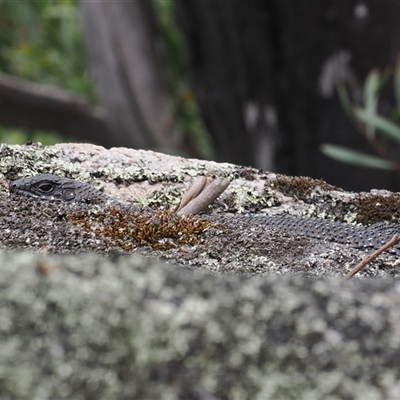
(201, 194)
(194, 190)
(392, 242)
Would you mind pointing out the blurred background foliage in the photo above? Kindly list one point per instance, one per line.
(189, 126)
(42, 41)
(381, 132)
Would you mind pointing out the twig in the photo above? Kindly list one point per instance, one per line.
(392, 242)
(206, 196)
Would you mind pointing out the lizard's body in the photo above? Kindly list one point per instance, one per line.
(368, 237)
(53, 187)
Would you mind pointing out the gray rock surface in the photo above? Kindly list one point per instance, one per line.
(128, 328)
(236, 317)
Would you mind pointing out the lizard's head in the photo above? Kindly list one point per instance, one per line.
(46, 186)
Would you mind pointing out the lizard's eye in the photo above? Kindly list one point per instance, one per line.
(46, 187)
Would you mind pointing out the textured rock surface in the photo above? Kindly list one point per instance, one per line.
(83, 326)
(157, 181)
(90, 328)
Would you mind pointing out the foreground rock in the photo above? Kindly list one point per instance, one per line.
(87, 327)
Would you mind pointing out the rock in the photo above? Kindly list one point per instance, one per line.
(234, 314)
(89, 327)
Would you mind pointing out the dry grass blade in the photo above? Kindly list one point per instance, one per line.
(392, 242)
(194, 190)
(207, 195)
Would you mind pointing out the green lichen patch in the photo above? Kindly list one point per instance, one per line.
(168, 196)
(377, 208)
(128, 229)
(300, 187)
(132, 328)
(33, 158)
(250, 199)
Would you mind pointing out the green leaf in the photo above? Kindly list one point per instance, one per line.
(385, 76)
(354, 157)
(387, 127)
(396, 79)
(346, 102)
(371, 88)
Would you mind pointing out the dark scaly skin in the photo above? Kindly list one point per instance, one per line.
(53, 187)
(360, 237)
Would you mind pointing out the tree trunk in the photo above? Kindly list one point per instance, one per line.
(119, 41)
(232, 79)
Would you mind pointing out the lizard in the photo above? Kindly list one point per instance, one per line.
(53, 187)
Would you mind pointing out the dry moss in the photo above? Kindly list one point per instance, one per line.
(128, 229)
(300, 186)
(377, 208)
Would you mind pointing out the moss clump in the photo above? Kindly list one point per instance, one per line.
(300, 186)
(377, 208)
(128, 229)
